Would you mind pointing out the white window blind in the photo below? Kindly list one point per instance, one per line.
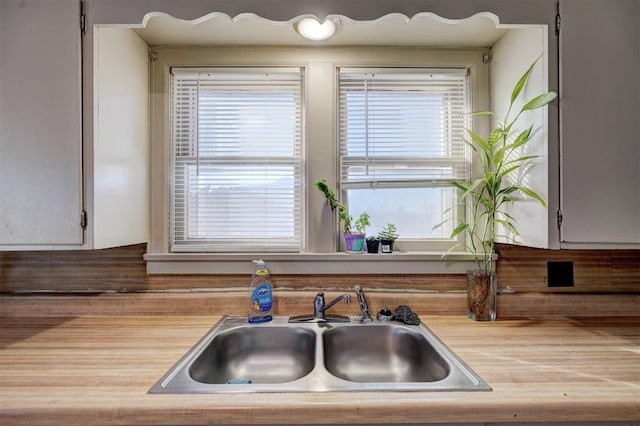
(401, 141)
(402, 125)
(237, 160)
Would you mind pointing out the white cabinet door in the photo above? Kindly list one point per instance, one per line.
(40, 123)
(600, 116)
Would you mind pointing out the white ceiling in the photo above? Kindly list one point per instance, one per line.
(425, 29)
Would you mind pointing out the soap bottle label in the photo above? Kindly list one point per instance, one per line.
(261, 299)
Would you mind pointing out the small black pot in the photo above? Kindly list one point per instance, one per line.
(372, 246)
(386, 246)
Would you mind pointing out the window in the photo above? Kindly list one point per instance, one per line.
(237, 164)
(239, 135)
(400, 145)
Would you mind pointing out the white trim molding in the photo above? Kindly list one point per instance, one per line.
(311, 263)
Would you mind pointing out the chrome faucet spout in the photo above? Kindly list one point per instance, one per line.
(319, 309)
(319, 302)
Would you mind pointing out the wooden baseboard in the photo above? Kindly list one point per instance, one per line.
(301, 302)
(122, 269)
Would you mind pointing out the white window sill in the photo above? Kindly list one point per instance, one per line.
(310, 263)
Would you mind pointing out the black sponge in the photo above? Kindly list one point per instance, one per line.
(406, 315)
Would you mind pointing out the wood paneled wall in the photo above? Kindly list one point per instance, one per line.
(594, 271)
(123, 269)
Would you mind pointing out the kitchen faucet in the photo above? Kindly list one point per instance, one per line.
(320, 308)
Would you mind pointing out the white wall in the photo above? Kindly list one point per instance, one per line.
(511, 57)
(121, 139)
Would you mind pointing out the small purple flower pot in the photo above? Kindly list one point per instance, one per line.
(354, 242)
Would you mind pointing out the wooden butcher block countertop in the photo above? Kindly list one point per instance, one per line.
(96, 370)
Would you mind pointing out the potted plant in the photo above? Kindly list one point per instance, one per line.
(354, 238)
(387, 236)
(353, 234)
(488, 195)
(373, 244)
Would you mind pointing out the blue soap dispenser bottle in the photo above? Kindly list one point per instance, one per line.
(260, 294)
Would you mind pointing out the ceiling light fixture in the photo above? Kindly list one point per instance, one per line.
(311, 29)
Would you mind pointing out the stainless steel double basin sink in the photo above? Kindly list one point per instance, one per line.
(235, 356)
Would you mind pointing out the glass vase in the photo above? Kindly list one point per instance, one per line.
(481, 296)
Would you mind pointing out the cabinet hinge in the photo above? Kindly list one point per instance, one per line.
(83, 19)
(559, 218)
(558, 24)
(83, 219)
(485, 58)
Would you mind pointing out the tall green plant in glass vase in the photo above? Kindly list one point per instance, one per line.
(503, 167)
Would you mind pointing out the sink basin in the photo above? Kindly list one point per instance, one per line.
(235, 356)
(262, 355)
(384, 353)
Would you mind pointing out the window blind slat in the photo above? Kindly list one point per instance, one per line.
(237, 160)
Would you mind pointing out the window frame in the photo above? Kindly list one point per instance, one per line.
(320, 112)
(292, 77)
(408, 244)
